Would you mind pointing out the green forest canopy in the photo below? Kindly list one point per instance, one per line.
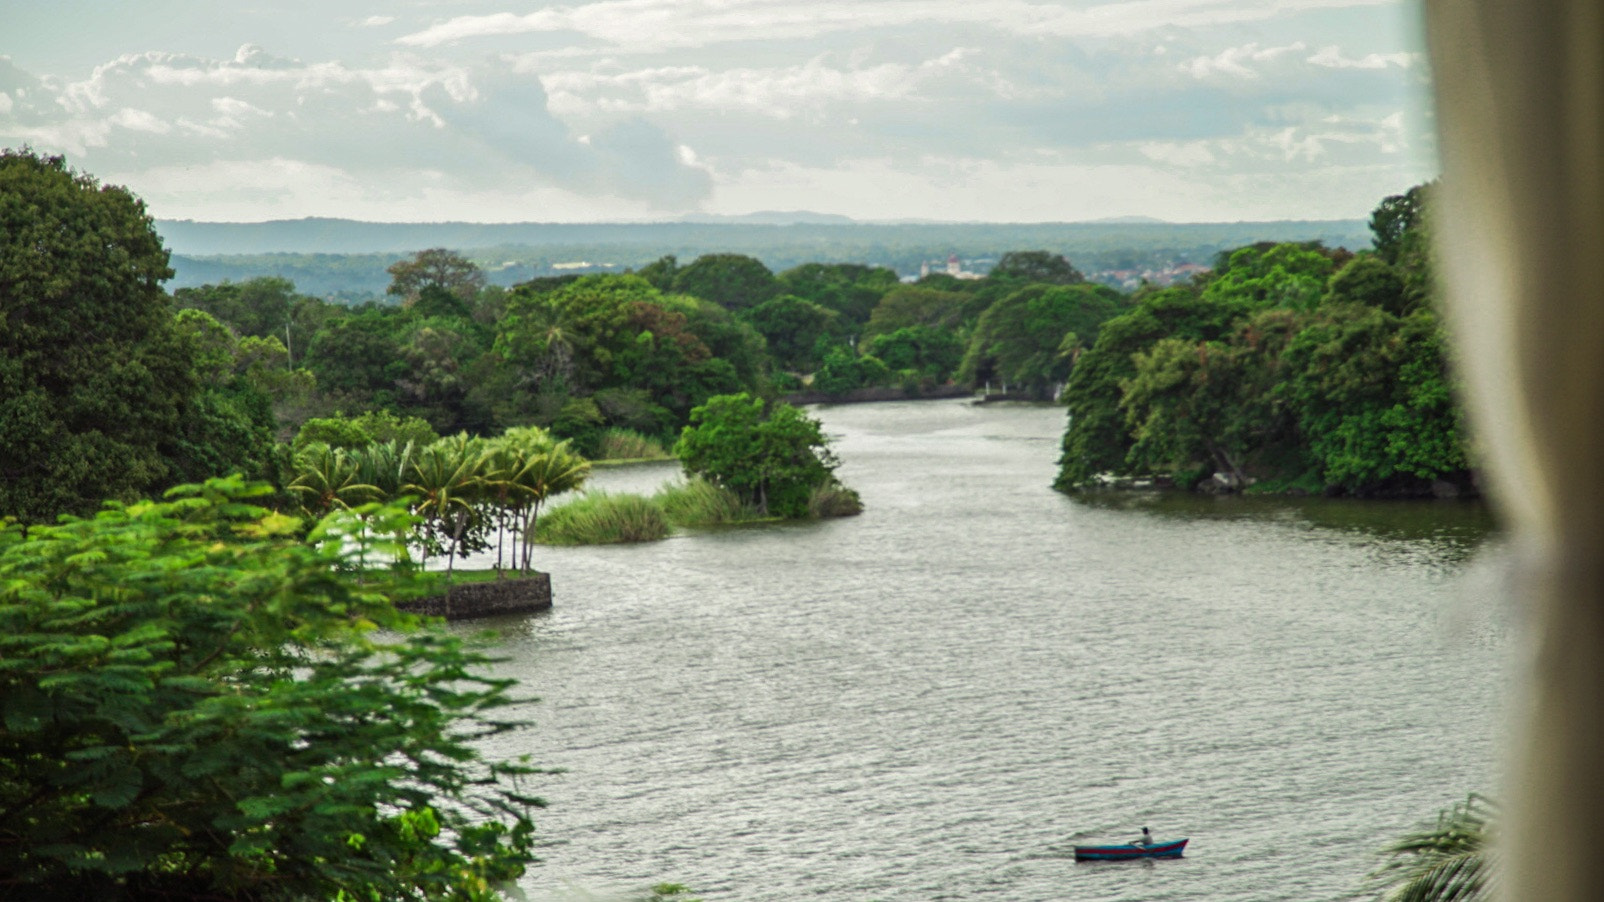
(1288, 364)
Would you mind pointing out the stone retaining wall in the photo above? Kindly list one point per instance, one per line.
(878, 393)
(488, 599)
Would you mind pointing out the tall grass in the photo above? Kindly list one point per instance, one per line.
(597, 518)
(700, 504)
(627, 444)
(834, 500)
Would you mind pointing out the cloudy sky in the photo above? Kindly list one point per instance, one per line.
(501, 110)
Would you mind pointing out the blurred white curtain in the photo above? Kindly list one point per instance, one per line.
(1520, 226)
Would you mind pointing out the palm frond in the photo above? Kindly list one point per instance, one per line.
(1449, 862)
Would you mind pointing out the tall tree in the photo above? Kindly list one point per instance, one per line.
(95, 380)
(1037, 266)
(1021, 338)
(439, 268)
(792, 327)
(733, 281)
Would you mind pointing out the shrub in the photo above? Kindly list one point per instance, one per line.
(599, 518)
(834, 500)
(627, 444)
(700, 504)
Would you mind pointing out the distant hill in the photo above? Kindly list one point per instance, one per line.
(330, 257)
(773, 217)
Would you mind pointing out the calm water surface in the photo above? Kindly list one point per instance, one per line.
(936, 699)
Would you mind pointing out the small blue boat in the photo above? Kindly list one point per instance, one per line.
(1127, 851)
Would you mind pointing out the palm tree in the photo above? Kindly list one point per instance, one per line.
(502, 491)
(383, 465)
(543, 475)
(328, 479)
(1450, 862)
(446, 479)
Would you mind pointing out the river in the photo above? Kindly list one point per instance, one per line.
(936, 699)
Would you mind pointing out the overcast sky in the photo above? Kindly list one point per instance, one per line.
(498, 110)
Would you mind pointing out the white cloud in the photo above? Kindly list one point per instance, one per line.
(1239, 62)
(599, 101)
(775, 92)
(139, 121)
(481, 127)
(1331, 57)
(646, 25)
(1182, 154)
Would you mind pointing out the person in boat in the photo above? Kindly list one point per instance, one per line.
(1146, 838)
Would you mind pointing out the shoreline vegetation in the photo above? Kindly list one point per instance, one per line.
(1285, 364)
(214, 695)
(1294, 369)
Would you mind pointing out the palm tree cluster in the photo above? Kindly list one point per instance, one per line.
(460, 487)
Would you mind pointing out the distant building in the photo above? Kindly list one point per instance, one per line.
(954, 269)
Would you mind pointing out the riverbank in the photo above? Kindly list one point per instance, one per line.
(977, 663)
(1460, 487)
(878, 393)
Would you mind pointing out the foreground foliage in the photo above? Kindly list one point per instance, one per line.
(194, 703)
(1448, 862)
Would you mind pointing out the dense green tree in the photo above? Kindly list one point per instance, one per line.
(371, 427)
(916, 305)
(262, 306)
(1272, 275)
(773, 460)
(661, 272)
(1315, 369)
(733, 281)
(1398, 222)
(843, 371)
(1036, 266)
(438, 268)
(357, 358)
(435, 302)
(228, 425)
(930, 352)
(197, 704)
(1201, 407)
(792, 328)
(1098, 440)
(1020, 339)
(614, 346)
(1369, 280)
(850, 289)
(95, 379)
(1373, 398)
